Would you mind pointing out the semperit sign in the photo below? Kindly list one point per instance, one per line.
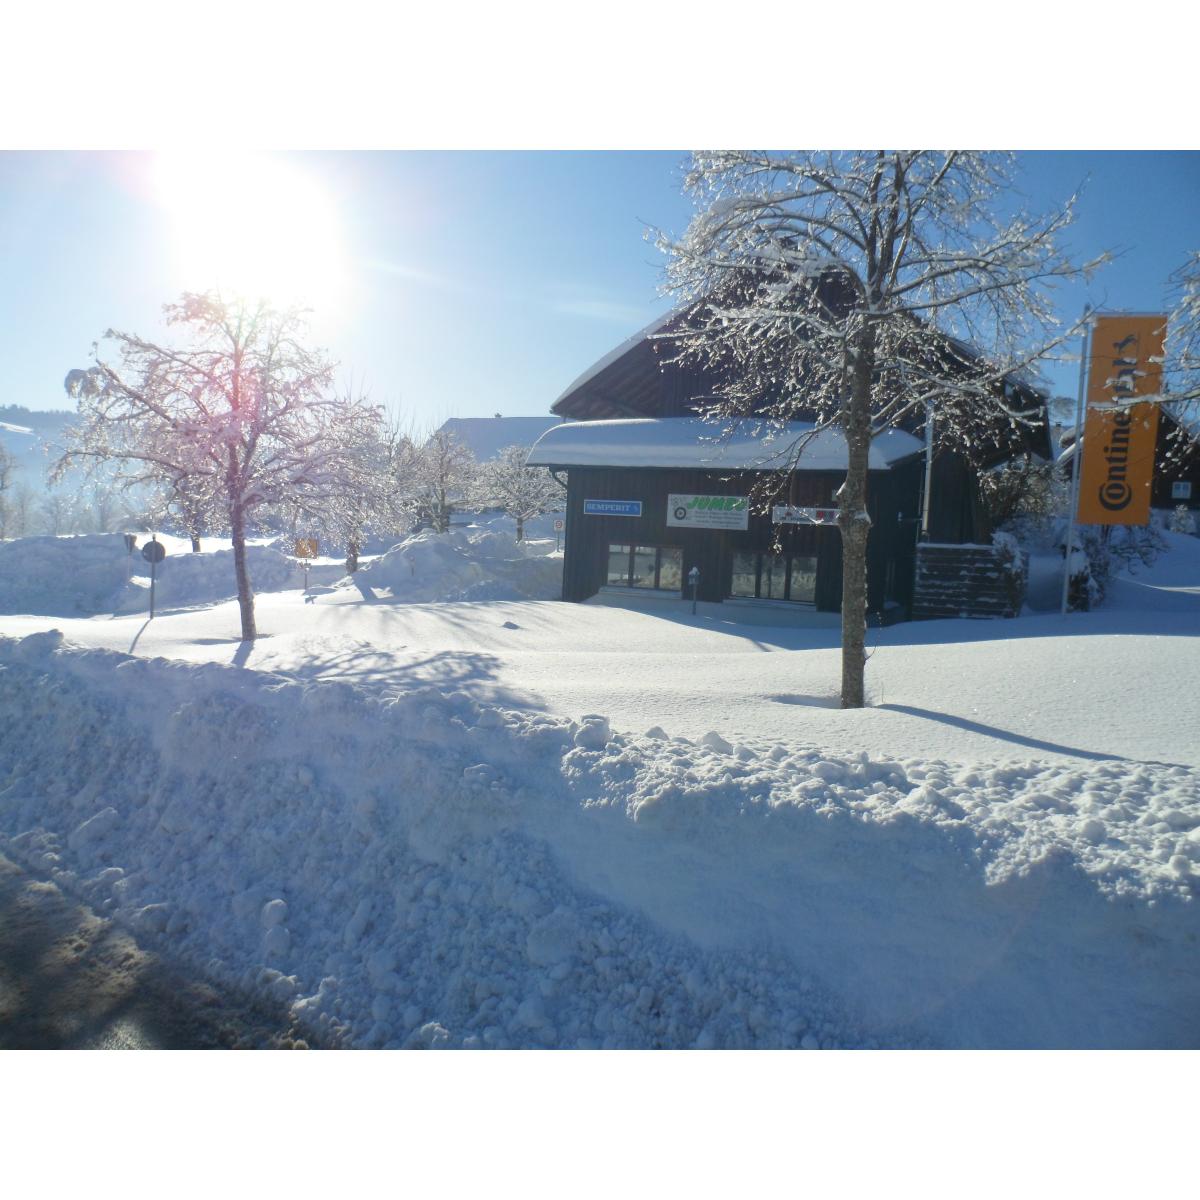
(1117, 466)
(708, 512)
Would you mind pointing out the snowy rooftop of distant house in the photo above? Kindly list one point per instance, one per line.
(690, 442)
(485, 437)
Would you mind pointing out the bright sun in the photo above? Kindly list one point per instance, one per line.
(253, 224)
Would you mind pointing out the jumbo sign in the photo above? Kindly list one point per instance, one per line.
(708, 512)
(1117, 466)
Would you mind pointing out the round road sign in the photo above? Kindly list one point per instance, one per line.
(153, 552)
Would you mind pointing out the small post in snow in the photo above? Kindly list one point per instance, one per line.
(558, 526)
(694, 580)
(306, 548)
(130, 547)
(153, 552)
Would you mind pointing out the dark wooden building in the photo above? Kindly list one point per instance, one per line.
(653, 492)
(1176, 459)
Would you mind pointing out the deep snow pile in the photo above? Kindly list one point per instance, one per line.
(189, 579)
(478, 563)
(62, 575)
(94, 573)
(426, 871)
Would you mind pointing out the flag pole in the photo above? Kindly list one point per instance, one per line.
(1075, 457)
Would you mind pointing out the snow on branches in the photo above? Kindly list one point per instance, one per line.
(858, 290)
(238, 417)
(522, 492)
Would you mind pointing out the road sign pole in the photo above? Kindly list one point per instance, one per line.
(1080, 418)
(153, 552)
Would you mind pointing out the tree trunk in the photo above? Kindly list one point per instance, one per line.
(237, 522)
(351, 556)
(520, 529)
(856, 525)
(195, 543)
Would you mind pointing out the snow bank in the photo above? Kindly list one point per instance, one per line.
(62, 576)
(476, 563)
(426, 871)
(94, 573)
(188, 579)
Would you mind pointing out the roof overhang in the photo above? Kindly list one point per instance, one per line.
(682, 443)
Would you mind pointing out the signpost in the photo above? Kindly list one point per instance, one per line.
(787, 514)
(708, 512)
(1112, 467)
(306, 548)
(612, 508)
(153, 552)
(1116, 443)
(694, 580)
(558, 528)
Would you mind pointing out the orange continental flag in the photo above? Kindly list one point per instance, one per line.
(1118, 438)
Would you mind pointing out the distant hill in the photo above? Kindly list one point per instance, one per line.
(30, 437)
(485, 437)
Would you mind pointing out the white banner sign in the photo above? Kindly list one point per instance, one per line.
(786, 514)
(708, 512)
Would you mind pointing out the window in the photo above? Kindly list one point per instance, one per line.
(645, 560)
(670, 569)
(1181, 490)
(618, 566)
(656, 567)
(774, 577)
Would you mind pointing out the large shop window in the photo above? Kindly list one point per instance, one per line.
(775, 577)
(659, 567)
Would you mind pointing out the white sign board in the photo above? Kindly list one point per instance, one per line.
(558, 525)
(786, 514)
(708, 512)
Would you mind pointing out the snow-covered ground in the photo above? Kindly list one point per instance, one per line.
(397, 812)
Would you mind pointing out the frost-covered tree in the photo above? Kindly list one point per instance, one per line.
(8, 471)
(1181, 368)
(523, 492)
(446, 473)
(242, 408)
(855, 290)
(59, 512)
(20, 511)
(383, 503)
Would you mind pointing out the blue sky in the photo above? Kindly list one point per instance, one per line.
(471, 282)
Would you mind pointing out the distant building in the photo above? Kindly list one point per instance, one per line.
(485, 437)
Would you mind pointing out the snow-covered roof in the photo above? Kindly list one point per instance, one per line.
(611, 357)
(684, 442)
(485, 437)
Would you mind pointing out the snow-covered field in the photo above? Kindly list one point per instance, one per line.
(395, 810)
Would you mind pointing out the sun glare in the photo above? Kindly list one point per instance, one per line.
(253, 224)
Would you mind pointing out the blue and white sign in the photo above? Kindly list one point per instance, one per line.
(612, 508)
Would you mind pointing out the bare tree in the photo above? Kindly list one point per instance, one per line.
(8, 471)
(243, 410)
(20, 510)
(856, 289)
(1181, 368)
(59, 512)
(446, 471)
(382, 500)
(522, 492)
